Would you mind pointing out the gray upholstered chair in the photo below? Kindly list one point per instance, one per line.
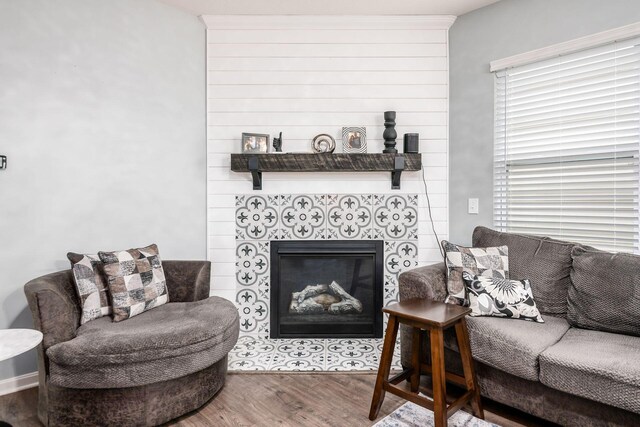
(146, 370)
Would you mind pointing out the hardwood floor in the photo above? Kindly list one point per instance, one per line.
(19, 409)
(287, 399)
(291, 400)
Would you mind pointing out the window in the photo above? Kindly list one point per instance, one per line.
(567, 145)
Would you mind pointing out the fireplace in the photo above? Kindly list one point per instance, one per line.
(326, 289)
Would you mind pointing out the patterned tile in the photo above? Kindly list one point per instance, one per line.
(251, 354)
(349, 217)
(352, 354)
(391, 293)
(298, 364)
(248, 342)
(252, 262)
(235, 365)
(259, 354)
(395, 217)
(263, 328)
(253, 278)
(303, 217)
(299, 355)
(256, 217)
(301, 348)
(259, 219)
(252, 310)
(398, 257)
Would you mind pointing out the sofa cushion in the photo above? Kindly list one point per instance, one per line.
(510, 345)
(545, 262)
(88, 278)
(136, 281)
(605, 291)
(171, 341)
(600, 366)
(488, 262)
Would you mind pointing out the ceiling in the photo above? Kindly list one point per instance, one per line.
(329, 7)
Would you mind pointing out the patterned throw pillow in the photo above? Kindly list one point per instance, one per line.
(501, 298)
(136, 281)
(90, 285)
(487, 262)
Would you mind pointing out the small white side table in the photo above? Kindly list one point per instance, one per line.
(14, 342)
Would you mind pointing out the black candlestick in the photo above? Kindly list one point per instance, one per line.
(389, 133)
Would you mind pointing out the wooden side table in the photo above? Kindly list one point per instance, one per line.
(434, 317)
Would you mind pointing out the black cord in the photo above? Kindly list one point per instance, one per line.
(433, 227)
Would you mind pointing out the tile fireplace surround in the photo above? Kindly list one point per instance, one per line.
(262, 219)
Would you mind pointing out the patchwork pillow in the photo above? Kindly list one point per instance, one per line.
(136, 281)
(487, 262)
(496, 297)
(90, 285)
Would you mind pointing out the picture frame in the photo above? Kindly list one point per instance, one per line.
(354, 140)
(255, 143)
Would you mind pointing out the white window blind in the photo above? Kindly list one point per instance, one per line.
(567, 134)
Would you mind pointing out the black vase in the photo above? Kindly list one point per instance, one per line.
(390, 133)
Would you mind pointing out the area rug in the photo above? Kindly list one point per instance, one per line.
(412, 415)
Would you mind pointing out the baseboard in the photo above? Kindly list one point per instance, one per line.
(21, 382)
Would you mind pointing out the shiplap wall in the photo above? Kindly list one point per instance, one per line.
(305, 75)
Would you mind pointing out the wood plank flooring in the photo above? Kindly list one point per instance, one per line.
(287, 399)
(291, 400)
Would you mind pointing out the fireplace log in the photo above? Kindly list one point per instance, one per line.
(308, 306)
(310, 292)
(319, 298)
(348, 304)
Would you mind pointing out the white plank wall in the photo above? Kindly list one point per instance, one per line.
(305, 75)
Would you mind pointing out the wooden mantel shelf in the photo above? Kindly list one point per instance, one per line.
(341, 162)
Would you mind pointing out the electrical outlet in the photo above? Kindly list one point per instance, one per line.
(474, 206)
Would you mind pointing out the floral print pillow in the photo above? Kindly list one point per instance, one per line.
(490, 296)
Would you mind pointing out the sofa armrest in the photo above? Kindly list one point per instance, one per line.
(54, 307)
(428, 282)
(187, 280)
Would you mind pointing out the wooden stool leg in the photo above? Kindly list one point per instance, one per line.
(467, 365)
(385, 366)
(439, 379)
(416, 353)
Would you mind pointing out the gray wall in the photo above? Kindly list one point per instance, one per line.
(102, 117)
(503, 29)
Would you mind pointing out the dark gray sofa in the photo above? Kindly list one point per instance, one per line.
(143, 371)
(564, 374)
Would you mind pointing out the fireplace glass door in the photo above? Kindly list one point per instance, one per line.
(326, 289)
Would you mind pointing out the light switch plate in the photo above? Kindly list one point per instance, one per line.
(474, 206)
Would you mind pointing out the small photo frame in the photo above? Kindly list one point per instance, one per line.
(255, 143)
(354, 140)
